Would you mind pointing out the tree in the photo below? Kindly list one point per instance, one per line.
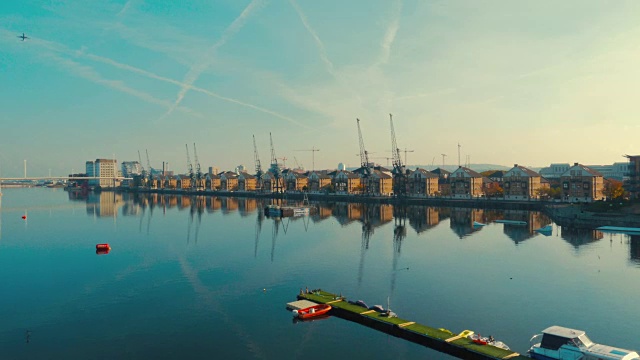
(613, 189)
(494, 190)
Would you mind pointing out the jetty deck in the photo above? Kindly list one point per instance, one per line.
(436, 338)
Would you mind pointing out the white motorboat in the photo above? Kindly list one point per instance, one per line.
(560, 343)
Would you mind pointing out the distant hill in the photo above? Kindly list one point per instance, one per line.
(475, 167)
(452, 168)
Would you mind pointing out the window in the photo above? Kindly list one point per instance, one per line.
(565, 185)
(586, 186)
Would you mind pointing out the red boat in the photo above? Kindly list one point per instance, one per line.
(312, 311)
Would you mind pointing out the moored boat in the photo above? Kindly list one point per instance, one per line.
(560, 343)
(481, 340)
(312, 311)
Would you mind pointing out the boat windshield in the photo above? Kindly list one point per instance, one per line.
(585, 340)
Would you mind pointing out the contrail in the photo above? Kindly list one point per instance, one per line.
(189, 87)
(390, 35)
(319, 43)
(65, 50)
(90, 74)
(195, 72)
(323, 52)
(124, 9)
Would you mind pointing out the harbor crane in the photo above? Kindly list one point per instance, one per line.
(256, 158)
(142, 170)
(275, 168)
(313, 156)
(149, 174)
(189, 165)
(198, 176)
(399, 175)
(364, 160)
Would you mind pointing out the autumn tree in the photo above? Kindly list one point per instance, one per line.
(613, 189)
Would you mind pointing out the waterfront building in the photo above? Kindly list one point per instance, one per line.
(444, 186)
(183, 182)
(617, 170)
(466, 183)
(318, 181)
(214, 170)
(269, 183)
(582, 184)
(247, 182)
(554, 171)
(423, 183)
(346, 182)
(295, 181)
(131, 168)
(229, 181)
(632, 184)
(212, 182)
(381, 183)
(104, 168)
(497, 176)
(521, 183)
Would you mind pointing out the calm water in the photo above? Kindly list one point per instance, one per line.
(209, 278)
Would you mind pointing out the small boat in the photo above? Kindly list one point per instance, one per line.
(561, 343)
(478, 224)
(312, 311)
(103, 247)
(481, 340)
(511, 222)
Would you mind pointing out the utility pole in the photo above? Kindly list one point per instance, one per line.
(25, 168)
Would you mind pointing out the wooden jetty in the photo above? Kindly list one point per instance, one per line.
(436, 338)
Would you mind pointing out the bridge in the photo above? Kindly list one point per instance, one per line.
(64, 178)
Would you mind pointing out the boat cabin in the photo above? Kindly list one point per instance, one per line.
(564, 343)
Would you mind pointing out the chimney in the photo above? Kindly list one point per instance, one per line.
(575, 164)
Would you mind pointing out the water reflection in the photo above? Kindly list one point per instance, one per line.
(580, 236)
(634, 248)
(462, 221)
(534, 221)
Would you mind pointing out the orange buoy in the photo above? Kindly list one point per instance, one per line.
(103, 247)
(24, 217)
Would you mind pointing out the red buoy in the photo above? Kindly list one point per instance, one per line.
(103, 247)
(24, 217)
(102, 251)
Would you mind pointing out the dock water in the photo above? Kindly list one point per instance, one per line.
(435, 338)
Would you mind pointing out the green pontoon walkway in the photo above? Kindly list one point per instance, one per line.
(439, 339)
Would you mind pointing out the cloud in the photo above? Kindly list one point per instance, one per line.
(195, 71)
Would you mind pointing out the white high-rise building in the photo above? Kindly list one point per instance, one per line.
(341, 167)
(104, 168)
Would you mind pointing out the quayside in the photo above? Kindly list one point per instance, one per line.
(435, 338)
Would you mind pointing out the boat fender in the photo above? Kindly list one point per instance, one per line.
(295, 312)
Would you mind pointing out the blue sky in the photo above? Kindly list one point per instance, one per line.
(512, 82)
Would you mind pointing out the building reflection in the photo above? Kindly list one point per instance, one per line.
(634, 248)
(534, 220)
(462, 221)
(423, 218)
(580, 236)
(103, 204)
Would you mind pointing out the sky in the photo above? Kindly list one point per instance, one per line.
(531, 83)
